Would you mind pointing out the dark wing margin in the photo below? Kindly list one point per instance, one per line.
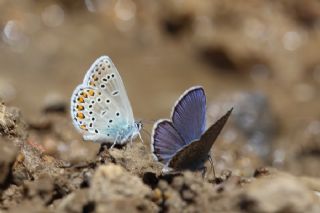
(214, 130)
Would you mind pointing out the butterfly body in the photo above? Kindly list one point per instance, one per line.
(182, 142)
(100, 108)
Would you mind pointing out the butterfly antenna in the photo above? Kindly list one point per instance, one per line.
(148, 121)
(115, 142)
(212, 167)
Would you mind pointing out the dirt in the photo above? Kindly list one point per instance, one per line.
(259, 57)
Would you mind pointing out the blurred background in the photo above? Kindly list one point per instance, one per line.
(262, 57)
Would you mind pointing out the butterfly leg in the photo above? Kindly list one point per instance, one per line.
(131, 138)
(115, 142)
(212, 167)
(140, 137)
(204, 171)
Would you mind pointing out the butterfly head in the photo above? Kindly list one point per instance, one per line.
(139, 125)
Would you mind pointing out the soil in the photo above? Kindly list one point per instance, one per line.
(259, 57)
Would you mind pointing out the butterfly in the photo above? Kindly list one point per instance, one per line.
(100, 108)
(182, 143)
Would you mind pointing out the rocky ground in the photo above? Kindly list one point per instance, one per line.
(128, 179)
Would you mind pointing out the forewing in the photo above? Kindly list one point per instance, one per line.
(189, 114)
(166, 141)
(194, 155)
(103, 76)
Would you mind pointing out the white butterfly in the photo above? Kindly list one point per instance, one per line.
(100, 108)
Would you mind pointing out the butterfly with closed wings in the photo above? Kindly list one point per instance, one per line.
(100, 108)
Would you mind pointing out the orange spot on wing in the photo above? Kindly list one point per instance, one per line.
(80, 107)
(92, 83)
(84, 127)
(80, 115)
(83, 94)
(91, 92)
(81, 99)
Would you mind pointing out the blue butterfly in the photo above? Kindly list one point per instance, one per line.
(183, 143)
(100, 108)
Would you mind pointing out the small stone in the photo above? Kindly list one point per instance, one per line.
(178, 183)
(277, 193)
(261, 172)
(163, 185)
(187, 195)
(157, 195)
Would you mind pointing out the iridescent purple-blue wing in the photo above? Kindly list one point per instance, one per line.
(166, 141)
(189, 114)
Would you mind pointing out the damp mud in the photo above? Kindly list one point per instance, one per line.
(259, 57)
